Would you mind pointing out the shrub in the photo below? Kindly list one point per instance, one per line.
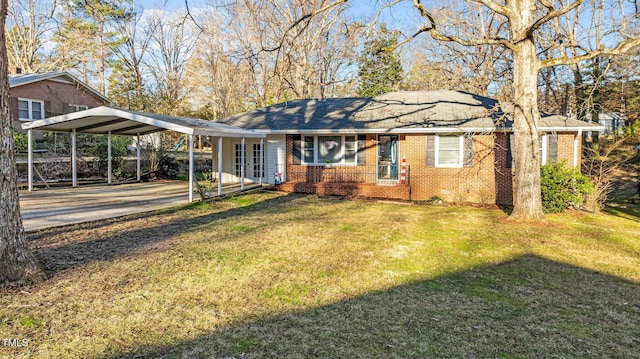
(562, 186)
(20, 140)
(168, 167)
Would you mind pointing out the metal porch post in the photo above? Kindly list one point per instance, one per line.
(74, 166)
(261, 160)
(242, 160)
(30, 159)
(219, 166)
(190, 168)
(109, 159)
(138, 157)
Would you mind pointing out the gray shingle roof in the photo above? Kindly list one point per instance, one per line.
(16, 80)
(405, 111)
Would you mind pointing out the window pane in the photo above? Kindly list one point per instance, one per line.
(350, 149)
(308, 149)
(23, 109)
(36, 110)
(449, 150)
(329, 149)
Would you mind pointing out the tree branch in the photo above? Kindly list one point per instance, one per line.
(431, 28)
(553, 14)
(499, 9)
(622, 48)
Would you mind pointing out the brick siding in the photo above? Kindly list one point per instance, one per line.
(56, 96)
(488, 181)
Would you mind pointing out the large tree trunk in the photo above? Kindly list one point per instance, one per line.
(527, 197)
(16, 261)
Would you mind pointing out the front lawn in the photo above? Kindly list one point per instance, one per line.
(268, 275)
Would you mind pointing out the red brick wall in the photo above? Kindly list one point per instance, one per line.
(565, 148)
(488, 181)
(474, 184)
(56, 96)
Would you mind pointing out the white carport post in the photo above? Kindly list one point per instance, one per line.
(30, 159)
(74, 167)
(109, 167)
(261, 160)
(138, 157)
(220, 166)
(190, 168)
(242, 159)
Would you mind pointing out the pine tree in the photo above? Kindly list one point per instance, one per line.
(380, 71)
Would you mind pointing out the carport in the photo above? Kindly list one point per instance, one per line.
(110, 121)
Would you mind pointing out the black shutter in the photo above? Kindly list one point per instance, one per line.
(362, 150)
(431, 155)
(467, 159)
(297, 151)
(510, 150)
(552, 147)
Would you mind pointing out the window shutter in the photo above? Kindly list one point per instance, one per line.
(297, 149)
(552, 147)
(510, 151)
(362, 150)
(467, 159)
(431, 151)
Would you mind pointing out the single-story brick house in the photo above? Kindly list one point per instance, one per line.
(400, 145)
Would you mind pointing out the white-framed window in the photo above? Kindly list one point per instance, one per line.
(449, 151)
(334, 149)
(76, 108)
(30, 110)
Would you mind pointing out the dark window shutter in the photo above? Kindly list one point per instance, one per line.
(362, 150)
(431, 154)
(297, 149)
(467, 156)
(552, 147)
(510, 151)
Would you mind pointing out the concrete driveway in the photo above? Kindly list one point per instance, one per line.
(51, 208)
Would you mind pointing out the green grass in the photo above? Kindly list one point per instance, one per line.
(267, 275)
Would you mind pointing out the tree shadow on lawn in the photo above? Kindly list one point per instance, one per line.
(86, 243)
(527, 307)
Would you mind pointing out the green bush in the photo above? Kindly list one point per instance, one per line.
(20, 140)
(168, 167)
(562, 186)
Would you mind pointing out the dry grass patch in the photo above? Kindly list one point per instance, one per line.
(270, 275)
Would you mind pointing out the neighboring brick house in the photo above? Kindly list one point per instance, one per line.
(401, 145)
(38, 96)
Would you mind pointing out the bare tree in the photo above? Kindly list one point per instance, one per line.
(173, 39)
(294, 49)
(127, 87)
(16, 261)
(521, 21)
(29, 26)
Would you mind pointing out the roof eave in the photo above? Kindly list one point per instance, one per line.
(64, 73)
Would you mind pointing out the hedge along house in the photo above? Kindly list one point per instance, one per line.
(402, 145)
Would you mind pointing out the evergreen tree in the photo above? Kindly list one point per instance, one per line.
(380, 70)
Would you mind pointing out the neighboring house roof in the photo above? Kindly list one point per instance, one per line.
(25, 79)
(101, 120)
(608, 116)
(399, 112)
